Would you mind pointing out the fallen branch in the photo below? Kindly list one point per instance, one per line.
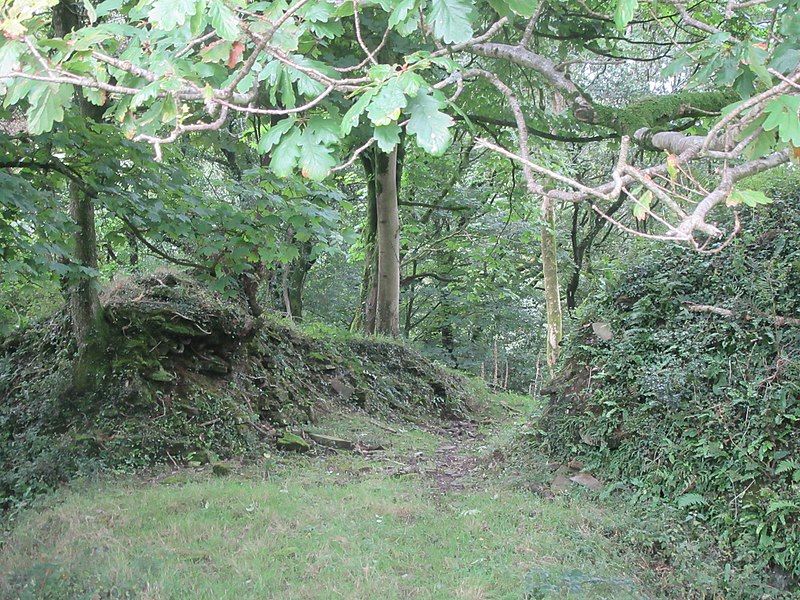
(779, 321)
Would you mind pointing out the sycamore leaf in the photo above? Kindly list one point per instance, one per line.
(274, 135)
(286, 153)
(386, 106)
(783, 115)
(169, 14)
(223, 20)
(749, 198)
(47, 104)
(430, 125)
(450, 20)
(316, 159)
(387, 136)
(625, 11)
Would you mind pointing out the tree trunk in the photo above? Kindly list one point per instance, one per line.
(364, 319)
(84, 298)
(83, 294)
(551, 291)
(297, 278)
(387, 313)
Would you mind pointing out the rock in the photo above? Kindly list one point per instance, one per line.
(331, 442)
(292, 443)
(602, 331)
(341, 388)
(220, 469)
(560, 482)
(588, 481)
(575, 464)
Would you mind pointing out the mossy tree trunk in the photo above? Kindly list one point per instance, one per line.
(364, 319)
(84, 301)
(387, 312)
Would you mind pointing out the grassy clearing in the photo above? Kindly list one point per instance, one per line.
(337, 525)
(302, 535)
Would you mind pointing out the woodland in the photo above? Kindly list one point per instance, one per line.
(400, 299)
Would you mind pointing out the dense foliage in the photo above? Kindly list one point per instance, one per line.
(699, 408)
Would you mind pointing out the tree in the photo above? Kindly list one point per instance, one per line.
(224, 59)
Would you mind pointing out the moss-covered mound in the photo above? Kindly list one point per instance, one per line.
(701, 408)
(189, 375)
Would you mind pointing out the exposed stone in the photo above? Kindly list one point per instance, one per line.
(292, 442)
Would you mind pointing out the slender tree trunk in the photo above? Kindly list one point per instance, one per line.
(551, 291)
(387, 314)
(297, 278)
(364, 319)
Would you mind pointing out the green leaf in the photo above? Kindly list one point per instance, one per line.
(390, 100)
(316, 159)
(783, 115)
(169, 14)
(642, 205)
(430, 125)
(690, 500)
(286, 154)
(323, 129)
(10, 52)
(353, 115)
(751, 198)
(107, 7)
(524, 8)
(387, 136)
(223, 20)
(47, 104)
(624, 13)
(400, 12)
(450, 20)
(781, 505)
(274, 135)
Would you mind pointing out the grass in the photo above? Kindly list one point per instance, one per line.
(337, 525)
(300, 536)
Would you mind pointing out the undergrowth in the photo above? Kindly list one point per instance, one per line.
(188, 377)
(700, 410)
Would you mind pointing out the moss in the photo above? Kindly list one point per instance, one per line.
(656, 112)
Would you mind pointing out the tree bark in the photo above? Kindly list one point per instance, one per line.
(387, 313)
(364, 319)
(84, 300)
(551, 290)
(299, 268)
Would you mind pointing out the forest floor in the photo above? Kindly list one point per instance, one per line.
(435, 513)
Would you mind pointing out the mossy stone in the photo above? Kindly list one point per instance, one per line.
(292, 443)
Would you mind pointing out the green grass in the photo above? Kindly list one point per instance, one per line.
(303, 536)
(342, 525)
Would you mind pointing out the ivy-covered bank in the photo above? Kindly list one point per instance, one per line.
(189, 377)
(697, 405)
